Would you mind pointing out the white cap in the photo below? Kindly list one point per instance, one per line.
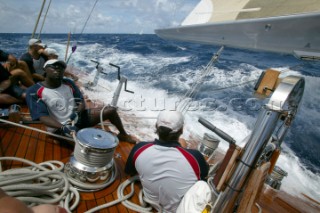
(51, 51)
(55, 61)
(35, 41)
(171, 119)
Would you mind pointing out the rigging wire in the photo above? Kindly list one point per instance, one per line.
(44, 19)
(184, 104)
(85, 24)
(74, 47)
(195, 86)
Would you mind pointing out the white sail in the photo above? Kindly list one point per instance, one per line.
(220, 10)
(200, 14)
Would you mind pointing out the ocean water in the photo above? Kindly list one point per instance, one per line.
(160, 72)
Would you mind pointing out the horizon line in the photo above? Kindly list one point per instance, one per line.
(83, 33)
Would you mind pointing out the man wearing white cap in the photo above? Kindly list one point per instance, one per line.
(35, 58)
(166, 170)
(51, 53)
(57, 100)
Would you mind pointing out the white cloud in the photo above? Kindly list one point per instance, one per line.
(111, 16)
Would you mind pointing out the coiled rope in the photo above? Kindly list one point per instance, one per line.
(124, 198)
(43, 183)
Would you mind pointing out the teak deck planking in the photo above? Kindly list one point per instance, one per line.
(38, 147)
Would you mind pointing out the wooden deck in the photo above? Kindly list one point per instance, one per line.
(38, 147)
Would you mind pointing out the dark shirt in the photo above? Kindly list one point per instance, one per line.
(4, 73)
(27, 57)
(3, 56)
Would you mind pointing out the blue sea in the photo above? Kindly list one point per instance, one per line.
(160, 72)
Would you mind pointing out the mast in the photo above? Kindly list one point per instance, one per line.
(39, 16)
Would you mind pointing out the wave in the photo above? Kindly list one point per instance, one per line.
(160, 73)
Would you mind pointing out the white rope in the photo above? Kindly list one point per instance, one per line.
(101, 118)
(259, 208)
(106, 205)
(127, 203)
(148, 201)
(38, 184)
(43, 183)
(124, 198)
(36, 129)
(213, 168)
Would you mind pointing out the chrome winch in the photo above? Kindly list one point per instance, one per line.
(275, 178)
(208, 145)
(91, 167)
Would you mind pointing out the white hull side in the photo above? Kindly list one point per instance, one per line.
(277, 34)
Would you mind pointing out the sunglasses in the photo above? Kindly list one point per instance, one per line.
(56, 66)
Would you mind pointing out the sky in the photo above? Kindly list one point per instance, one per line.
(108, 16)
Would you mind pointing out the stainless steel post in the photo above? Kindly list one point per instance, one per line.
(284, 101)
(253, 149)
(116, 95)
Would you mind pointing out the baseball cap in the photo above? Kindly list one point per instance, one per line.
(35, 41)
(171, 119)
(51, 51)
(54, 61)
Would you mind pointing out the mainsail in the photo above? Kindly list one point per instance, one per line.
(288, 26)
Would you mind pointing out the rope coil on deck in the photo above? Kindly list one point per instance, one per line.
(124, 198)
(43, 183)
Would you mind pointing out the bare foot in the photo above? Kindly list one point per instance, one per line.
(127, 138)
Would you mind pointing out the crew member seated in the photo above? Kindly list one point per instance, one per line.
(166, 169)
(56, 101)
(53, 54)
(35, 58)
(13, 83)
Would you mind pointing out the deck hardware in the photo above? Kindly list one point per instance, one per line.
(122, 80)
(275, 178)
(91, 167)
(286, 98)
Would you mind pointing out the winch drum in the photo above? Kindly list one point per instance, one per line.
(92, 161)
(208, 145)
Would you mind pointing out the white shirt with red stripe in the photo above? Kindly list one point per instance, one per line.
(58, 103)
(166, 171)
